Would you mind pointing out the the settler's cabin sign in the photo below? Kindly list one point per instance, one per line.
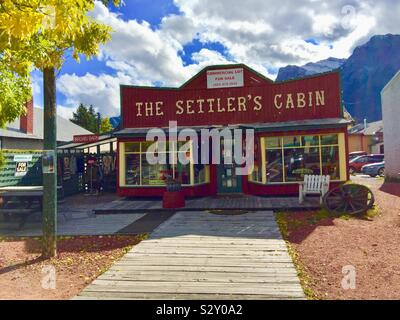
(232, 95)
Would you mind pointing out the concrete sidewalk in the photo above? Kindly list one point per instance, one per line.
(75, 217)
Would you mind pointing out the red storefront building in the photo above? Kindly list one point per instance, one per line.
(299, 129)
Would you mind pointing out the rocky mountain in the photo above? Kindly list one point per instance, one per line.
(115, 121)
(364, 74)
(293, 72)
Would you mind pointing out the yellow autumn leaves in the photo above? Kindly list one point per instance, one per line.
(36, 34)
(39, 31)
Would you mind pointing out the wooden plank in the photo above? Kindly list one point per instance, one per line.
(241, 269)
(146, 275)
(204, 244)
(89, 295)
(204, 256)
(213, 241)
(204, 251)
(201, 278)
(110, 286)
(277, 263)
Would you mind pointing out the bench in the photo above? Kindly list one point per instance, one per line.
(315, 185)
(24, 201)
(23, 213)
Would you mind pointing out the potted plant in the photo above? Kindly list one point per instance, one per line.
(173, 197)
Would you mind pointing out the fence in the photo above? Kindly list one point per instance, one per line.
(24, 168)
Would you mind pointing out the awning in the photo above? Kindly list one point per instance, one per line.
(312, 124)
(329, 123)
(103, 139)
(141, 132)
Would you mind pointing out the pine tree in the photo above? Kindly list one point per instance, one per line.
(85, 117)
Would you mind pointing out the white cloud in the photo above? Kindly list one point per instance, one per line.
(65, 112)
(100, 91)
(260, 33)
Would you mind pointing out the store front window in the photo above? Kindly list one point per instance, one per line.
(287, 159)
(139, 172)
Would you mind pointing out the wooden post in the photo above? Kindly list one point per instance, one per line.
(50, 179)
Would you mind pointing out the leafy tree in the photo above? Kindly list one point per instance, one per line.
(15, 91)
(37, 33)
(105, 125)
(86, 117)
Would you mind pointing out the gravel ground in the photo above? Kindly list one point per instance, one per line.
(24, 275)
(325, 245)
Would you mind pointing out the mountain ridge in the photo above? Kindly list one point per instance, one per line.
(362, 77)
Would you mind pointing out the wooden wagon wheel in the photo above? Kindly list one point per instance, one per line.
(349, 198)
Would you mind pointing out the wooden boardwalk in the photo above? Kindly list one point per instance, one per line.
(199, 255)
(246, 202)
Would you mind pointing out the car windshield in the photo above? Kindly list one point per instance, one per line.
(356, 158)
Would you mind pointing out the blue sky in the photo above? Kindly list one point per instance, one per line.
(165, 42)
(144, 10)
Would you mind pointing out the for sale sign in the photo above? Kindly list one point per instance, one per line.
(21, 169)
(225, 78)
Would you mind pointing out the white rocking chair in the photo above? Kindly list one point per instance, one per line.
(313, 185)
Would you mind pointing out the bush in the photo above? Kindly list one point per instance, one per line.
(2, 160)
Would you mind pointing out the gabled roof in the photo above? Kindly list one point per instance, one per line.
(226, 66)
(372, 128)
(203, 72)
(65, 128)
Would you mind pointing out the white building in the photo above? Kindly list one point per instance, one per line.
(391, 130)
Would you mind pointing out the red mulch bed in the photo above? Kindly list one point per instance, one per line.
(372, 246)
(80, 260)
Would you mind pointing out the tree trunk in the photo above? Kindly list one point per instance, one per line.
(50, 178)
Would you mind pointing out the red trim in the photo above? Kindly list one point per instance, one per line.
(85, 138)
(261, 101)
(194, 191)
(248, 187)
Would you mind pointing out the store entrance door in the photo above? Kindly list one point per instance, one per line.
(228, 180)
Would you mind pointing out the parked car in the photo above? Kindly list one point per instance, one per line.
(374, 169)
(357, 163)
(356, 154)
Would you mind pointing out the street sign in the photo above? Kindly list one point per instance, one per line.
(86, 138)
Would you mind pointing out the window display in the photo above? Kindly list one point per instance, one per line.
(289, 158)
(141, 173)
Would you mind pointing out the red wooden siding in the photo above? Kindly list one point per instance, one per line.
(195, 90)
